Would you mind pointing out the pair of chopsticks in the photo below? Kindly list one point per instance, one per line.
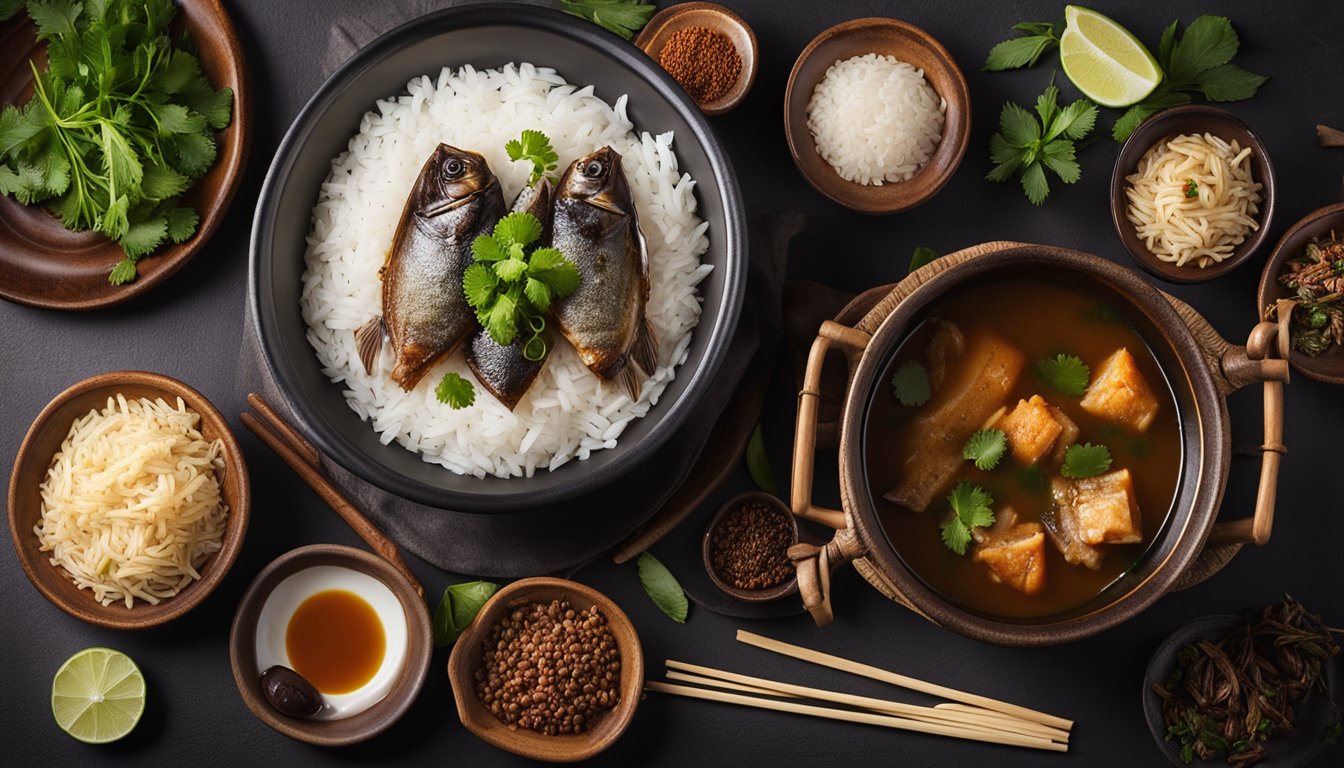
(303, 458)
(964, 716)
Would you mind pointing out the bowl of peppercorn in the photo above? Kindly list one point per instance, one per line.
(549, 670)
(746, 548)
(709, 50)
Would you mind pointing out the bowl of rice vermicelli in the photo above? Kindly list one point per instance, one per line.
(129, 499)
(1192, 193)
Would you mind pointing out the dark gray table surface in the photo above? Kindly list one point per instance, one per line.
(189, 329)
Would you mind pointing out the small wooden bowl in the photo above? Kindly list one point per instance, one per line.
(44, 439)
(43, 264)
(564, 748)
(765, 595)
(1167, 124)
(375, 719)
(1328, 367)
(719, 19)
(907, 43)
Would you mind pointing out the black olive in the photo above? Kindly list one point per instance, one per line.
(290, 693)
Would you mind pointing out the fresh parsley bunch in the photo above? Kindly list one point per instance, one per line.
(119, 126)
(511, 285)
(1025, 147)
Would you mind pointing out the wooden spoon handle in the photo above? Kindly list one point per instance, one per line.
(324, 488)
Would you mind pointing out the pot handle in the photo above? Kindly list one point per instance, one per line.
(815, 563)
(1242, 366)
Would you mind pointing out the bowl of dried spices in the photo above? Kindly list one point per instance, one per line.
(549, 670)
(746, 548)
(709, 50)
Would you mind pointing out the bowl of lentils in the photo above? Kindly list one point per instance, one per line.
(746, 548)
(549, 670)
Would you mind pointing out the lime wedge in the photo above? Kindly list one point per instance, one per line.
(1107, 63)
(98, 695)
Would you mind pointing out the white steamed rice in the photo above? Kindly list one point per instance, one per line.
(569, 412)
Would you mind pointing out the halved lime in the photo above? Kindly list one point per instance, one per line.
(1107, 63)
(98, 695)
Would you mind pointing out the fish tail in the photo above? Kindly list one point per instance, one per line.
(631, 379)
(645, 351)
(369, 340)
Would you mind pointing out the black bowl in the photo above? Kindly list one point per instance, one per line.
(484, 36)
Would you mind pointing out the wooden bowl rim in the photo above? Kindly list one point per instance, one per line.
(384, 713)
(465, 658)
(885, 198)
(234, 146)
(235, 528)
(1269, 290)
(1147, 135)
(719, 19)
(766, 594)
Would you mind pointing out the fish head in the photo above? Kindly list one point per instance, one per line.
(598, 180)
(450, 178)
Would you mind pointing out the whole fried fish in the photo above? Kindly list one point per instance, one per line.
(596, 227)
(455, 199)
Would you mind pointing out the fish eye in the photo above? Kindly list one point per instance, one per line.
(454, 168)
(594, 168)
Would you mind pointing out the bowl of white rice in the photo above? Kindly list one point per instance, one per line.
(877, 115)
(475, 77)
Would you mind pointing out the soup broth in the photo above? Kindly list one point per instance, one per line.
(1027, 321)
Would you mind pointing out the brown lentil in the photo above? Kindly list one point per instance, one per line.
(749, 547)
(550, 668)
(702, 61)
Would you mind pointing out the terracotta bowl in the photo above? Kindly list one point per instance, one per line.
(44, 439)
(1328, 367)
(787, 587)
(668, 21)
(907, 43)
(370, 722)
(1167, 124)
(42, 263)
(565, 748)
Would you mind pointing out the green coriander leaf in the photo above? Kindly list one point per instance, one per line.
(1058, 157)
(511, 270)
(1035, 184)
(124, 272)
(455, 391)
(970, 509)
(624, 17)
(922, 256)
(113, 222)
(1018, 126)
(175, 118)
(54, 18)
(1208, 41)
(142, 237)
(551, 267)
(177, 71)
(1076, 120)
(1019, 52)
(538, 294)
(457, 609)
(1066, 373)
(985, 447)
(20, 126)
(758, 463)
(1228, 82)
(479, 284)
(25, 182)
(160, 182)
(910, 383)
(51, 162)
(486, 248)
(215, 106)
(1000, 151)
(956, 536)
(662, 587)
(182, 224)
(502, 322)
(534, 147)
(518, 229)
(1085, 460)
(194, 153)
(1047, 107)
(120, 162)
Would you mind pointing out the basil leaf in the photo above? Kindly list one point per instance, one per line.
(758, 463)
(460, 604)
(662, 588)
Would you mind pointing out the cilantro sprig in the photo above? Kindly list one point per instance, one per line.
(511, 286)
(1026, 147)
(985, 447)
(910, 383)
(120, 125)
(624, 17)
(1037, 39)
(1085, 460)
(535, 148)
(455, 391)
(970, 509)
(1066, 373)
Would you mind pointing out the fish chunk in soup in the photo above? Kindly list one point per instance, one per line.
(1121, 394)
(1014, 552)
(1031, 429)
(1103, 508)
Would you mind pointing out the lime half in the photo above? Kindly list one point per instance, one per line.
(1107, 63)
(98, 695)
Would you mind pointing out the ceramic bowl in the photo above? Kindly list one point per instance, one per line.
(564, 748)
(44, 439)
(406, 685)
(906, 43)
(668, 21)
(1167, 124)
(1328, 367)
(766, 594)
(42, 263)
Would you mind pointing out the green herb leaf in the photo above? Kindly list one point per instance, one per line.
(970, 509)
(985, 447)
(1228, 82)
(921, 257)
(1027, 144)
(511, 270)
(479, 284)
(1066, 373)
(1018, 125)
(1022, 51)
(518, 229)
(455, 391)
(1035, 184)
(182, 223)
(956, 536)
(662, 587)
(507, 285)
(551, 267)
(1085, 460)
(124, 272)
(457, 609)
(534, 147)
(911, 383)
(1208, 42)
(624, 17)
(1191, 188)
(758, 463)
(144, 236)
(538, 293)
(487, 249)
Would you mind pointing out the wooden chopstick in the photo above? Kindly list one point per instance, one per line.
(1009, 721)
(285, 430)
(927, 714)
(886, 721)
(686, 677)
(312, 475)
(887, 676)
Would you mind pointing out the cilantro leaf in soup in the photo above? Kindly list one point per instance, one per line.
(1086, 460)
(910, 383)
(971, 508)
(985, 447)
(460, 604)
(662, 588)
(1066, 373)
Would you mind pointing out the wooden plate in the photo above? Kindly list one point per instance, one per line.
(1328, 367)
(43, 264)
